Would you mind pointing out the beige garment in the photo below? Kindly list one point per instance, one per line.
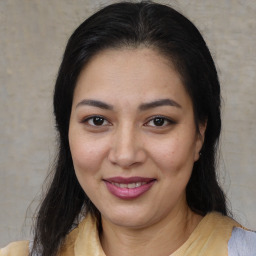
(15, 249)
(210, 238)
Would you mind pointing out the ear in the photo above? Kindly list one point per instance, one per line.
(200, 139)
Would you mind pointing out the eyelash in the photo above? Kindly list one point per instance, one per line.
(166, 121)
(92, 118)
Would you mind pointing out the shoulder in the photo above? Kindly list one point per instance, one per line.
(242, 242)
(216, 224)
(20, 248)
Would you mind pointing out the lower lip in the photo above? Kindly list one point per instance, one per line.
(128, 193)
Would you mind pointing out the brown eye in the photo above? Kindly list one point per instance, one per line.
(158, 121)
(96, 121)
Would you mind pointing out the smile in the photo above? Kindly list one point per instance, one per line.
(129, 188)
(130, 185)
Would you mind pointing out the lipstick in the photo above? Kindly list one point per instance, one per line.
(128, 188)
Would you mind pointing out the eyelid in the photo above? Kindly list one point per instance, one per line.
(169, 120)
(88, 118)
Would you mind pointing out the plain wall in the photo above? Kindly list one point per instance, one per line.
(33, 34)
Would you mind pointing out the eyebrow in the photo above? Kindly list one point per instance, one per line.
(159, 103)
(95, 103)
(143, 107)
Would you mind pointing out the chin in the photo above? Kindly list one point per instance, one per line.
(127, 218)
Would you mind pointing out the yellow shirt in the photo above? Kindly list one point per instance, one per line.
(210, 238)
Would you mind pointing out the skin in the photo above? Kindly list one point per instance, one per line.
(129, 143)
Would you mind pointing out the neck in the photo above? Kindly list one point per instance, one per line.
(161, 238)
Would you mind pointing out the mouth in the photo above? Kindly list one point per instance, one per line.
(129, 185)
(128, 188)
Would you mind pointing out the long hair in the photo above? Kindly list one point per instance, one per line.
(120, 25)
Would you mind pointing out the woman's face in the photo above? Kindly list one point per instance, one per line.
(133, 137)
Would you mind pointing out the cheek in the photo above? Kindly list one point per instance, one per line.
(87, 155)
(174, 155)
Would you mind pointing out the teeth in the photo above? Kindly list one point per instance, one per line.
(130, 185)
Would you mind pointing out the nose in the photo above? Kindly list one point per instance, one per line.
(127, 149)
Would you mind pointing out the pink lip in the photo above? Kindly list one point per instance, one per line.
(128, 193)
(128, 180)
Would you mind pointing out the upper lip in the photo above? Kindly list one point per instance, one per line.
(128, 180)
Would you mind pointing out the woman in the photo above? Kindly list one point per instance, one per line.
(137, 107)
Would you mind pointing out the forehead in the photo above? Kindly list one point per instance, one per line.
(130, 74)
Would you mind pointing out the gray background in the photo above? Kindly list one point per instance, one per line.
(33, 34)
